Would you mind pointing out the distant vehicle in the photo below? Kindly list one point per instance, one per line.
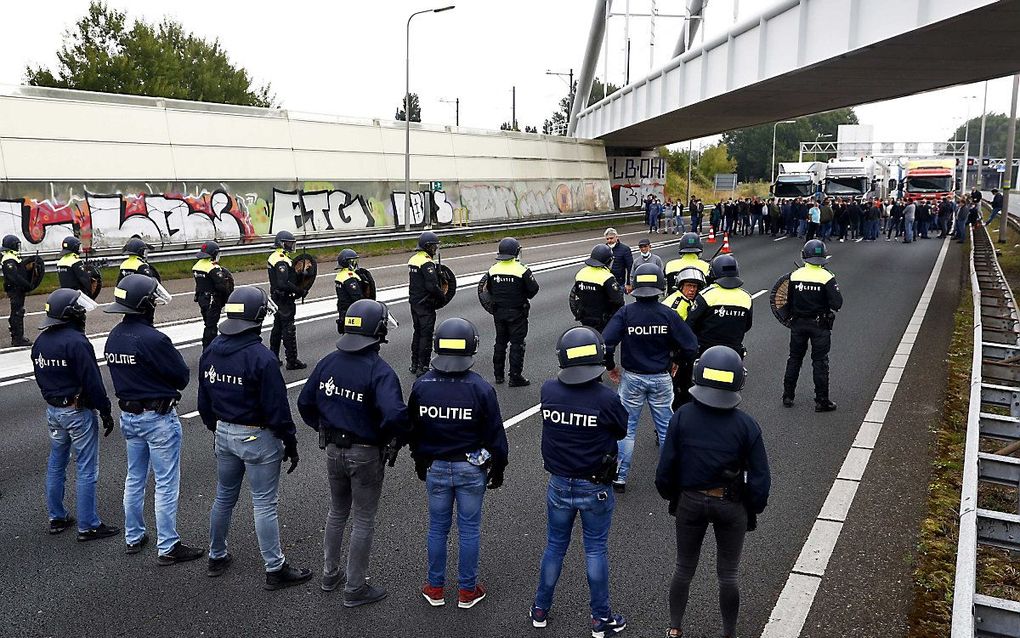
(799, 179)
(856, 177)
(929, 179)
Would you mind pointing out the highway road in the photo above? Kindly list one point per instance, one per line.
(53, 586)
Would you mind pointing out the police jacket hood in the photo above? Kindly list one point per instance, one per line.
(226, 345)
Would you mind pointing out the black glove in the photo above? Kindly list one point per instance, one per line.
(390, 452)
(421, 468)
(211, 427)
(495, 478)
(290, 452)
(107, 423)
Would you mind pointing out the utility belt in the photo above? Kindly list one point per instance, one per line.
(342, 438)
(824, 321)
(159, 406)
(73, 401)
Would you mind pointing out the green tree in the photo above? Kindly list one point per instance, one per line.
(752, 147)
(101, 53)
(716, 159)
(556, 124)
(415, 109)
(507, 126)
(996, 134)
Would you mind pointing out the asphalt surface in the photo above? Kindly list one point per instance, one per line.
(53, 586)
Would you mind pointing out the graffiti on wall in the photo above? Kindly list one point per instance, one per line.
(634, 178)
(440, 209)
(303, 211)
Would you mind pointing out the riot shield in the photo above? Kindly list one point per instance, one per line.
(484, 296)
(447, 283)
(36, 268)
(95, 281)
(779, 298)
(305, 268)
(368, 287)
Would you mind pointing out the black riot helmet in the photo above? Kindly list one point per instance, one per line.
(364, 325)
(347, 259)
(581, 353)
(509, 248)
(719, 376)
(601, 256)
(71, 244)
(208, 250)
(246, 308)
(456, 343)
(285, 240)
(137, 295)
(136, 246)
(11, 243)
(815, 252)
(724, 271)
(648, 281)
(690, 243)
(429, 242)
(65, 305)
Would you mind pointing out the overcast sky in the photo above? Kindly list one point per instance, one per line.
(346, 57)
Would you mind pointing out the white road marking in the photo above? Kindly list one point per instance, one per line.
(780, 238)
(520, 417)
(758, 294)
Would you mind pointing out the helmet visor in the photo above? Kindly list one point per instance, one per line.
(86, 303)
(162, 296)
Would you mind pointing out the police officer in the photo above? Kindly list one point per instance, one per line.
(349, 287)
(69, 379)
(283, 290)
(654, 339)
(709, 447)
(511, 285)
(813, 300)
(690, 256)
(721, 313)
(70, 267)
(148, 375)
(596, 293)
(353, 400)
(424, 295)
(242, 399)
(16, 285)
(581, 422)
(212, 287)
(459, 448)
(690, 282)
(135, 264)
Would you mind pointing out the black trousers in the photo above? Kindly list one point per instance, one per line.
(424, 322)
(806, 331)
(283, 328)
(211, 318)
(17, 318)
(512, 331)
(682, 382)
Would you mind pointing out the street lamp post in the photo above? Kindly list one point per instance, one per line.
(774, 127)
(407, 113)
(966, 145)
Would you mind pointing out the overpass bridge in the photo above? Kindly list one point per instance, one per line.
(800, 57)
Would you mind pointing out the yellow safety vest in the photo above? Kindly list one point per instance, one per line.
(68, 260)
(419, 259)
(688, 260)
(716, 295)
(678, 302)
(508, 267)
(132, 263)
(277, 256)
(593, 275)
(812, 273)
(345, 274)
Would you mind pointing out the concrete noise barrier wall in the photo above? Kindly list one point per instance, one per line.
(111, 167)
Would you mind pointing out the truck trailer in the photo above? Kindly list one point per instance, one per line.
(799, 179)
(929, 179)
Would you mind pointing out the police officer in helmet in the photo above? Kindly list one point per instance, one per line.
(242, 399)
(283, 290)
(148, 374)
(353, 399)
(581, 422)
(511, 285)
(690, 256)
(70, 267)
(690, 281)
(459, 448)
(16, 284)
(424, 295)
(722, 313)
(813, 300)
(348, 284)
(709, 448)
(135, 264)
(654, 339)
(212, 287)
(68, 377)
(596, 293)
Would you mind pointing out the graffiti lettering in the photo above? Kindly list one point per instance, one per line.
(442, 210)
(317, 211)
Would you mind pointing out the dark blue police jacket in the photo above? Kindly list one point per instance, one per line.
(623, 263)
(144, 364)
(650, 333)
(65, 366)
(580, 426)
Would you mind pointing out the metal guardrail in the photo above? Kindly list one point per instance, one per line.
(995, 386)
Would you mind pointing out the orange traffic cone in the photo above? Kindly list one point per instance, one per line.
(725, 244)
(711, 235)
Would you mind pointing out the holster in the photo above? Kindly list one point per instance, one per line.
(607, 471)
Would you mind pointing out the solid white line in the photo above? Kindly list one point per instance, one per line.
(758, 294)
(190, 415)
(780, 238)
(520, 417)
(791, 611)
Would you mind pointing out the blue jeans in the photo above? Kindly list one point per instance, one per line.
(908, 230)
(826, 231)
(463, 483)
(564, 499)
(78, 429)
(258, 452)
(635, 390)
(995, 213)
(153, 440)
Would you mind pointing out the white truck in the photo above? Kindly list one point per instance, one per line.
(856, 177)
(799, 179)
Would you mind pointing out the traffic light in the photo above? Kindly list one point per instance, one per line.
(970, 162)
(984, 161)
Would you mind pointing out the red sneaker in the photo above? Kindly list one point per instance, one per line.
(468, 598)
(434, 595)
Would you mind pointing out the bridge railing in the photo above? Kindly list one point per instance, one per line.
(993, 415)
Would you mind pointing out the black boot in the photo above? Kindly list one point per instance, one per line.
(824, 405)
(518, 381)
(286, 576)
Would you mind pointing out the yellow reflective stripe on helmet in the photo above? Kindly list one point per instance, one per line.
(811, 273)
(453, 344)
(120, 293)
(651, 279)
(723, 376)
(419, 259)
(354, 322)
(47, 307)
(234, 307)
(582, 351)
(718, 296)
(593, 275)
(508, 267)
